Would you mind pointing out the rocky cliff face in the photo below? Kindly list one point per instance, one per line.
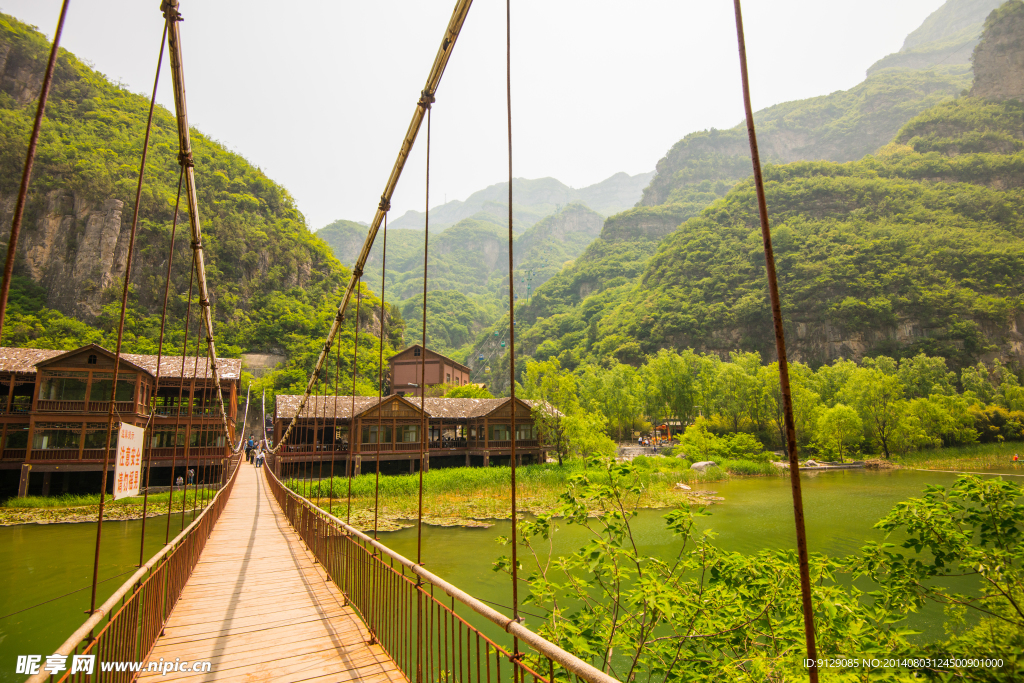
(72, 247)
(999, 58)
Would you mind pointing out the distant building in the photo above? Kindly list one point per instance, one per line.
(53, 416)
(407, 365)
(460, 432)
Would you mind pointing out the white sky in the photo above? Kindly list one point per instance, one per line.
(319, 94)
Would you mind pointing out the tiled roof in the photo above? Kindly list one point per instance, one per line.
(25, 360)
(324, 406)
(170, 366)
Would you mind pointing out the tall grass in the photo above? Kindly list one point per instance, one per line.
(454, 495)
(69, 500)
(975, 457)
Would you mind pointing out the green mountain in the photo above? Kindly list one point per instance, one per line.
(533, 200)
(565, 317)
(274, 285)
(915, 248)
(468, 264)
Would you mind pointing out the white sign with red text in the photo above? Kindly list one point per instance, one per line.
(128, 470)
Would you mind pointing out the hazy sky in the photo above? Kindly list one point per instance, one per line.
(319, 94)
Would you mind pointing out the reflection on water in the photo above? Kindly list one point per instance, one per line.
(43, 562)
(53, 562)
(840, 509)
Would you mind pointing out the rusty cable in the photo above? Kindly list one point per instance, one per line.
(780, 347)
(26, 172)
(188, 429)
(380, 375)
(120, 324)
(337, 387)
(163, 319)
(201, 458)
(355, 366)
(424, 435)
(511, 324)
(181, 392)
(451, 35)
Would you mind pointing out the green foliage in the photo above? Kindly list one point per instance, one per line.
(274, 287)
(734, 616)
(468, 391)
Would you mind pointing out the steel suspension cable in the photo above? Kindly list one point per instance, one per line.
(426, 102)
(181, 392)
(780, 348)
(444, 52)
(147, 453)
(380, 374)
(511, 327)
(337, 388)
(120, 324)
(173, 18)
(355, 366)
(188, 429)
(26, 171)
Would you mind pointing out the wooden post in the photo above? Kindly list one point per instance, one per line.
(26, 470)
(46, 483)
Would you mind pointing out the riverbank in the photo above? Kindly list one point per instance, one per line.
(974, 458)
(69, 509)
(476, 497)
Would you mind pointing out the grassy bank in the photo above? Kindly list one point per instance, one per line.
(85, 507)
(974, 458)
(470, 496)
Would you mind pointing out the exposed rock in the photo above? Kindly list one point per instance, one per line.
(999, 57)
(702, 465)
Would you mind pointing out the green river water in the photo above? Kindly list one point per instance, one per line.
(44, 562)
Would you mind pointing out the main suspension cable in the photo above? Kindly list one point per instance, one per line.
(452, 31)
(26, 172)
(780, 348)
(120, 324)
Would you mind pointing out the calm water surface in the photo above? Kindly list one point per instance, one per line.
(44, 562)
(53, 562)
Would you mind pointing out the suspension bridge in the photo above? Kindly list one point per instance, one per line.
(265, 585)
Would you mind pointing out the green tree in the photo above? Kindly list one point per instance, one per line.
(878, 398)
(840, 430)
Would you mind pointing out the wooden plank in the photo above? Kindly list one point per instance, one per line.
(259, 608)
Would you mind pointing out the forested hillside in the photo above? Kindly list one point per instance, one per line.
(590, 301)
(917, 248)
(274, 286)
(468, 265)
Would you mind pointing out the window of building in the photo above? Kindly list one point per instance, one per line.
(101, 382)
(63, 386)
(416, 352)
(96, 435)
(499, 433)
(92, 359)
(370, 434)
(16, 437)
(526, 432)
(409, 433)
(448, 378)
(57, 435)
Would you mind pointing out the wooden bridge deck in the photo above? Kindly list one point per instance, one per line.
(258, 608)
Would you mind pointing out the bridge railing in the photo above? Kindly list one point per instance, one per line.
(126, 626)
(401, 605)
